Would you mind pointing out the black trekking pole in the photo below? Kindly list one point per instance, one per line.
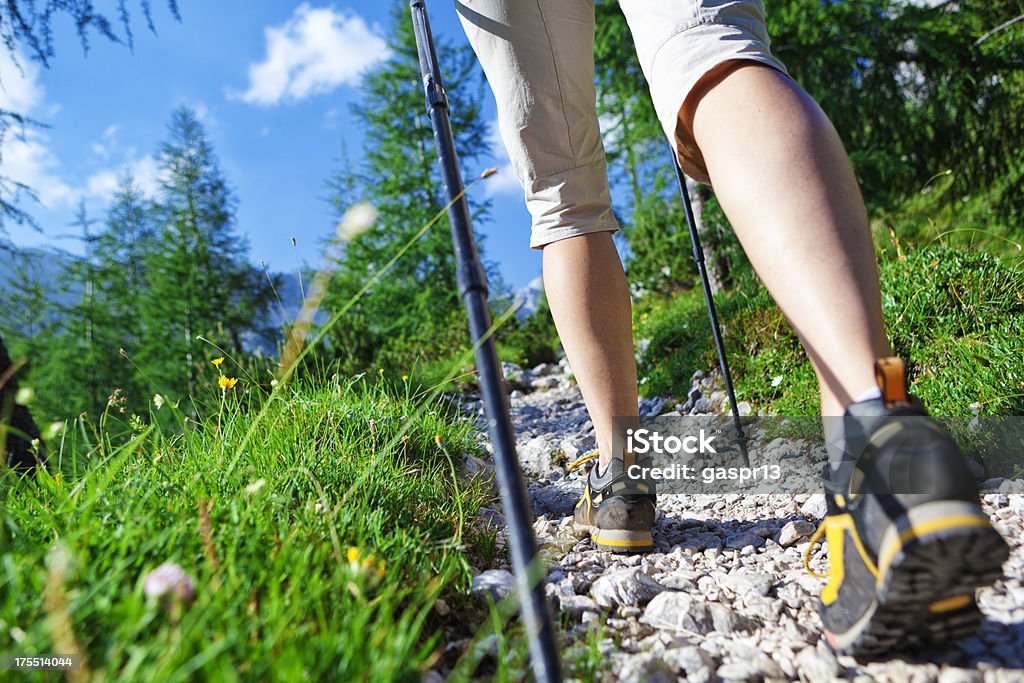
(716, 330)
(473, 290)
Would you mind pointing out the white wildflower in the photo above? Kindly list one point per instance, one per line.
(169, 580)
(356, 220)
(54, 429)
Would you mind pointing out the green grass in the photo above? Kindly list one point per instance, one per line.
(264, 532)
(935, 217)
(954, 315)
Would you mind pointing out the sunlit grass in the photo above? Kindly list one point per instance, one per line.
(317, 521)
(276, 550)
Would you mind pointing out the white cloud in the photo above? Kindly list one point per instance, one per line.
(107, 142)
(505, 181)
(313, 52)
(20, 90)
(28, 160)
(145, 172)
(26, 155)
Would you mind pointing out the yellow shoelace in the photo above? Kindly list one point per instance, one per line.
(582, 460)
(815, 537)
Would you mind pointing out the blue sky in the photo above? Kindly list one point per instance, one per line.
(272, 82)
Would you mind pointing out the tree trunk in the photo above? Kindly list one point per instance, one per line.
(15, 448)
(697, 198)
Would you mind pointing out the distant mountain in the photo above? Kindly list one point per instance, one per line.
(530, 296)
(44, 266)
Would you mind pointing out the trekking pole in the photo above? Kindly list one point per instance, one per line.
(473, 290)
(716, 331)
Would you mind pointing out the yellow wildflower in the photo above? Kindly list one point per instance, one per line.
(218, 361)
(227, 382)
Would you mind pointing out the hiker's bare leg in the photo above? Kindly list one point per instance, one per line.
(783, 179)
(589, 298)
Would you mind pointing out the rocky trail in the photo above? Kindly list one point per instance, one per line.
(724, 595)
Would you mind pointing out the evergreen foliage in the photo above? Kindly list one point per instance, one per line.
(413, 313)
(160, 284)
(915, 92)
(199, 282)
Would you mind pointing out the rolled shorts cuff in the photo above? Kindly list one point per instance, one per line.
(573, 202)
(684, 60)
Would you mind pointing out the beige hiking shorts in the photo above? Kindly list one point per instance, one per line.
(538, 56)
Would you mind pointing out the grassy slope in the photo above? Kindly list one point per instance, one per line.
(954, 314)
(277, 595)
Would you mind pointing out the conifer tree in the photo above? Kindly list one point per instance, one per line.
(199, 282)
(414, 311)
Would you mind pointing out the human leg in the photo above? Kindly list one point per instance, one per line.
(908, 540)
(538, 58)
(789, 192)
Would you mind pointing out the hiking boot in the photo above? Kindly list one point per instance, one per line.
(617, 510)
(908, 541)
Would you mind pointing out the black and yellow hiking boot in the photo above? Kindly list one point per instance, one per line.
(616, 509)
(908, 541)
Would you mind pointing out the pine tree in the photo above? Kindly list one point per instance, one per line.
(123, 248)
(35, 323)
(199, 283)
(414, 311)
(74, 366)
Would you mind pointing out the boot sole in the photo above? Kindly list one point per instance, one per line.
(618, 540)
(932, 561)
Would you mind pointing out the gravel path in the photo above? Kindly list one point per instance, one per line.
(724, 596)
